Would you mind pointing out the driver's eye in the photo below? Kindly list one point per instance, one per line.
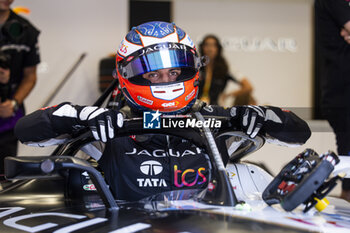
(152, 75)
(175, 73)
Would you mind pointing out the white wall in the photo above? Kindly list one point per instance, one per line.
(279, 69)
(68, 29)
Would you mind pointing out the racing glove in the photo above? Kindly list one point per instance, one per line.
(102, 122)
(250, 118)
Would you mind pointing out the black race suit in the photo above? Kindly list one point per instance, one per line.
(138, 167)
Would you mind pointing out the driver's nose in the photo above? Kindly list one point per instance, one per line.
(166, 77)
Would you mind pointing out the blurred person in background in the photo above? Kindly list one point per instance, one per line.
(214, 76)
(19, 57)
(332, 24)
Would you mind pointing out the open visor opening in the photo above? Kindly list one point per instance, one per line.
(161, 56)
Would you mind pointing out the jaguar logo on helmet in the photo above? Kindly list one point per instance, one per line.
(155, 46)
(163, 46)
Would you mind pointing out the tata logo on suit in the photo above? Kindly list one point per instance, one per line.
(151, 168)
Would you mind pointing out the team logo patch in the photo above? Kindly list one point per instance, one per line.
(151, 120)
(151, 168)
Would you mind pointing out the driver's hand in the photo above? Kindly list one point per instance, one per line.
(250, 118)
(103, 122)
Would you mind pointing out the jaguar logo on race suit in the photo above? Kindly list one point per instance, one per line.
(151, 168)
(160, 153)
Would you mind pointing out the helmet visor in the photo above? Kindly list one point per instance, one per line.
(160, 56)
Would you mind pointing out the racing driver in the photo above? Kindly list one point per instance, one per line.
(157, 67)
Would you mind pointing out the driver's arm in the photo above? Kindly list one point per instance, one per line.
(276, 125)
(54, 125)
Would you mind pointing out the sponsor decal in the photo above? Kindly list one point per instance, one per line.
(151, 168)
(89, 187)
(170, 105)
(189, 96)
(151, 120)
(129, 58)
(151, 182)
(199, 178)
(123, 48)
(161, 153)
(211, 186)
(144, 100)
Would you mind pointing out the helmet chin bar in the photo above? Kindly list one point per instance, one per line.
(168, 91)
(139, 108)
(168, 98)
